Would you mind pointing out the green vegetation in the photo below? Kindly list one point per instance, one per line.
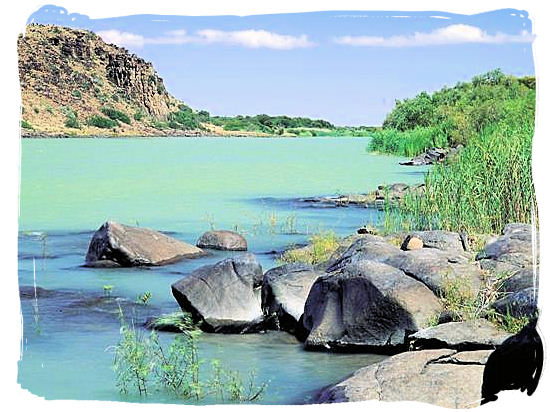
(107, 290)
(71, 118)
(463, 304)
(319, 250)
(142, 363)
(267, 124)
(489, 183)
(450, 116)
(144, 298)
(101, 122)
(77, 94)
(26, 125)
(184, 119)
(114, 114)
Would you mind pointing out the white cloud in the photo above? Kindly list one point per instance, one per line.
(453, 34)
(122, 38)
(246, 38)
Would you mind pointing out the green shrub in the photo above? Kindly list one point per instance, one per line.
(319, 250)
(407, 143)
(77, 94)
(114, 114)
(26, 125)
(138, 115)
(101, 122)
(142, 363)
(71, 118)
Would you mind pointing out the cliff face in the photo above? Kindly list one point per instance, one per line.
(71, 78)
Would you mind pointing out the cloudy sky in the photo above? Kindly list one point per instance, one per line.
(345, 66)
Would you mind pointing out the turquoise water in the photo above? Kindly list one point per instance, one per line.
(183, 186)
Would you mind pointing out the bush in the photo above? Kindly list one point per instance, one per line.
(71, 118)
(26, 125)
(114, 114)
(77, 94)
(407, 143)
(142, 362)
(101, 122)
(320, 249)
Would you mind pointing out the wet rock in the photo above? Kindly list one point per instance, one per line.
(284, 293)
(431, 156)
(115, 245)
(467, 335)
(366, 306)
(224, 297)
(441, 377)
(222, 240)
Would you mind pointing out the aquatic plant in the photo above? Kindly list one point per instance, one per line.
(142, 362)
(107, 290)
(144, 297)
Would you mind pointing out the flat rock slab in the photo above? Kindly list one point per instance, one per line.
(366, 306)
(438, 377)
(441, 239)
(224, 297)
(116, 245)
(284, 293)
(222, 240)
(467, 335)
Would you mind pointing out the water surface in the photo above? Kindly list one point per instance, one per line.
(183, 186)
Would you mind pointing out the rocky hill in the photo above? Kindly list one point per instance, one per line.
(73, 83)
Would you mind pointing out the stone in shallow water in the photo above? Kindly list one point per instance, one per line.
(366, 306)
(224, 297)
(115, 245)
(222, 240)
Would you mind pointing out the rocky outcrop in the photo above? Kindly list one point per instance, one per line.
(367, 305)
(442, 240)
(224, 297)
(441, 377)
(512, 255)
(284, 293)
(431, 156)
(222, 240)
(431, 266)
(467, 335)
(116, 245)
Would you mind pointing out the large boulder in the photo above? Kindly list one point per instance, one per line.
(284, 293)
(433, 267)
(514, 247)
(222, 240)
(366, 306)
(467, 335)
(115, 245)
(224, 297)
(441, 377)
(517, 304)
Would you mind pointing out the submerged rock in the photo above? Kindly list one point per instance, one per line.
(441, 377)
(467, 335)
(366, 306)
(224, 297)
(222, 240)
(115, 245)
(284, 293)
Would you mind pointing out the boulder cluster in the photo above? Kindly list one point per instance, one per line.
(373, 295)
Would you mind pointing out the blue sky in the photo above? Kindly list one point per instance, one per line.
(347, 67)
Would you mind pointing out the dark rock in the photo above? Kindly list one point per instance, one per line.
(467, 335)
(441, 377)
(519, 280)
(284, 293)
(431, 156)
(516, 364)
(366, 306)
(115, 245)
(517, 304)
(224, 297)
(514, 247)
(222, 240)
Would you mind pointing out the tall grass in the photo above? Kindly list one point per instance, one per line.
(407, 143)
(488, 185)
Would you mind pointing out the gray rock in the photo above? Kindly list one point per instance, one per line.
(440, 377)
(284, 293)
(433, 267)
(519, 280)
(441, 239)
(224, 297)
(222, 240)
(514, 247)
(366, 306)
(115, 245)
(517, 304)
(467, 335)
